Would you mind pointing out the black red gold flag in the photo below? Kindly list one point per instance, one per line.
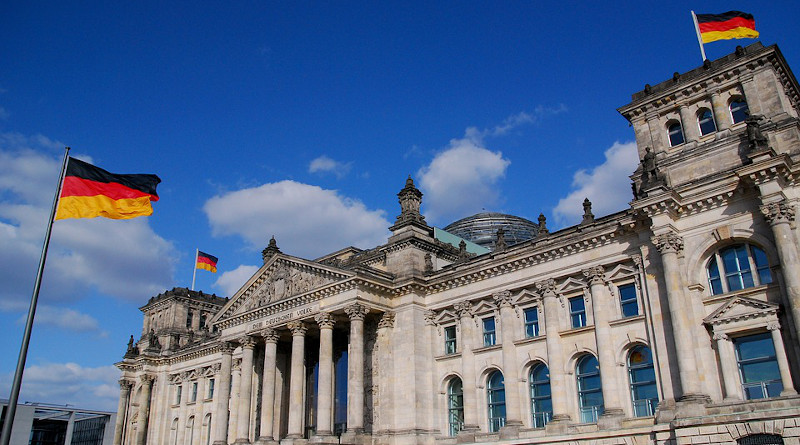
(730, 25)
(206, 262)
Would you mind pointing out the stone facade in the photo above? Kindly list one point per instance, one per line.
(675, 321)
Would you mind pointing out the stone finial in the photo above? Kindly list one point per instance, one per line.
(462, 250)
(410, 199)
(271, 250)
(500, 244)
(588, 217)
(542, 225)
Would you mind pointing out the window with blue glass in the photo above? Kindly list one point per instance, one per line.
(489, 333)
(450, 340)
(577, 312)
(590, 391)
(455, 406)
(532, 322)
(541, 399)
(675, 133)
(739, 110)
(758, 366)
(627, 300)
(737, 267)
(642, 376)
(496, 399)
(705, 120)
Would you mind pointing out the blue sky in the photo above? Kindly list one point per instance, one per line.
(302, 120)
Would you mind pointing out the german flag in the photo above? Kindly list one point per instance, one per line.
(89, 191)
(206, 262)
(730, 25)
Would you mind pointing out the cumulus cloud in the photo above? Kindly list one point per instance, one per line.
(124, 259)
(306, 220)
(68, 383)
(324, 164)
(606, 185)
(67, 319)
(230, 282)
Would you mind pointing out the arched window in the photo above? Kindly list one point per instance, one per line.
(742, 266)
(541, 401)
(496, 400)
(590, 393)
(189, 431)
(739, 110)
(207, 429)
(642, 378)
(455, 406)
(173, 432)
(705, 120)
(758, 366)
(675, 133)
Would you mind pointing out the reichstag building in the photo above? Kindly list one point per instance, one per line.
(675, 321)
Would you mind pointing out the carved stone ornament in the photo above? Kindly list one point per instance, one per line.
(547, 287)
(146, 379)
(773, 326)
(125, 384)
(637, 260)
(778, 213)
(227, 347)
(356, 311)
(755, 137)
(464, 309)
(595, 275)
(387, 320)
(325, 320)
(430, 317)
(297, 328)
(500, 244)
(271, 250)
(542, 225)
(588, 216)
(503, 298)
(247, 341)
(668, 243)
(410, 199)
(719, 336)
(216, 368)
(283, 282)
(270, 335)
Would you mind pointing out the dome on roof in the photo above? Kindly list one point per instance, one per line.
(482, 228)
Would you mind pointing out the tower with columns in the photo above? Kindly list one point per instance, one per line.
(673, 321)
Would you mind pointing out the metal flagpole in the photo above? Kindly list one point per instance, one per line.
(699, 39)
(194, 274)
(26, 338)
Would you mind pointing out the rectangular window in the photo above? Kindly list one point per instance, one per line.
(194, 392)
(450, 340)
(758, 366)
(210, 389)
(627, 300)
(189, 319)
(531, 322)
(489, 335)
(178, 391)
(577, 312)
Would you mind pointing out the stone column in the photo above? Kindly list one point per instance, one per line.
(658, 134)
(245, 390)
(122, 409)
(720, 110)
(471, 409)
(669, 244)
(325, 378)
(602, 309)
(780, 216)
(510, 371)
(296, 380)
(144, 409)
(555, 355)
(780, 355)
(268, 385)
(222, 395)
(355, 368)
(730, 378)
(198, 404)
(182, 417)
(688, 124)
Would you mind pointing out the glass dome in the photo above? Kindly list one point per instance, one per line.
(482, 228)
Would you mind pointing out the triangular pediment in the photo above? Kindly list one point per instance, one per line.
(741, 308)
(620, 272)
(445, 317)
(484, 306)
(281, 278)
(571, 285)
(525, 296)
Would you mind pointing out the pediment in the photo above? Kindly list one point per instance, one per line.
(525, 296)
(741, 308)
(483, 307)
(571, 285)
(281, 278)
(444, 317)
(621, 272)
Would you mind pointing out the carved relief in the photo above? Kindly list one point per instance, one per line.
(281, 283)
(778, 213)
(668, 243)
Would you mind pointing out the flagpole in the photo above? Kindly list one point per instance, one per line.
(699, 39)
(194, 274)
(26, 337)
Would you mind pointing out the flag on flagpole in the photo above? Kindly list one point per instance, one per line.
(206, 262)
(89, 191)
(730, 25)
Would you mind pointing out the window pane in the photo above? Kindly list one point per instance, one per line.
(760, 371)
(739, 111)
(627, 297)
(706, 121)
(577, 312)
(755, 347)
(675, 134)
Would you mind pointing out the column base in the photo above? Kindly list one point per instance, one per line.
(467, 434)
(691, 405)
(510, 430)
(558, 424)
(242, 441)
(788, 392)
(611, 418)
(265, 441)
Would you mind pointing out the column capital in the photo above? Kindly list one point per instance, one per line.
(125, 384)
(269, 335)
(502, 298)
(637, 260)
(430, 317)
(774, 326)
(464, 309)
(595, 275)
(325, 320)
(387, 320)
(547, 287)
(146, 379)
(719, 336)
(778, 213)
(226, 347)
(298, 328)
(668, 242)
(247, 342)
(356, 311)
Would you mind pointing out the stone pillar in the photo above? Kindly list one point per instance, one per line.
(658, 134)
(669, 244)
(780, 355)
(122, 409)
(355, 368)
(222, 395)
(268, 385)
(144, 409)
(730, 378)
(296, 380)
(510, 371)
(182, 409)
(198, 404)
(720, 110)
(780, 216)
(689, 124)
(602, 309)
(471, 409)
(325, 378)
(555, 355)
(245, 390)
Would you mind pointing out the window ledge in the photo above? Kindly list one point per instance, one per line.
(626, 320)
(709, 299)
(447, 356)
(487, 348)
(576, 331)
(527, 340)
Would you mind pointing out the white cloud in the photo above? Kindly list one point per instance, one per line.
(68, 383)
(324, 164)
(229, 282)
(67, 319)
(606, 185)
(306, 220)
(123, 259)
